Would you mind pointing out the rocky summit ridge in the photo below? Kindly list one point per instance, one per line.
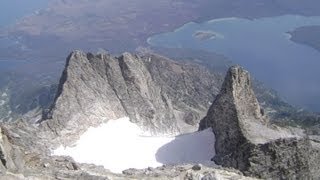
(246, 141)
(147, 89)
(162, 97)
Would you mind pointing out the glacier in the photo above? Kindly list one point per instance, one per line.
(120, 144)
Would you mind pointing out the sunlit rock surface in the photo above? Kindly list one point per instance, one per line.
(246, 141)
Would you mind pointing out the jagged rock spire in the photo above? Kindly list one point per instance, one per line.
(245, 140)
(238, 83)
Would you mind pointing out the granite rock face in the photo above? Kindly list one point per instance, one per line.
(10, 157)
(24, 155)
(161, 96)
(246, 141)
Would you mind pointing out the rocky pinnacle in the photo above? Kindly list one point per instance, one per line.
(246, 141)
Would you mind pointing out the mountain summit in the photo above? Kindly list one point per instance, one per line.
(159, 95)
(246, 141)
(106, 104)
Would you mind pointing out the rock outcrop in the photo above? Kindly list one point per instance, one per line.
(24, 155)
(161, 96)
(246, 141)
(158, 94)
(10, 157)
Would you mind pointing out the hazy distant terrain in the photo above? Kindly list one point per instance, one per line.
(308, 35)
(113, 25)
(122, 25)
(13, 10)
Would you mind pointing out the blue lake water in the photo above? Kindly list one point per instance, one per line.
(12, 10)
(7, 65)
(262, 46)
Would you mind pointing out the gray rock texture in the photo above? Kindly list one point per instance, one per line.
(246, 141)
(160, 95)
(163, 97)
(24, 155)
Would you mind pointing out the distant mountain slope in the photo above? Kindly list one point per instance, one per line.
(89, 25)
(308, 35)
(23, 96)
(12, 10)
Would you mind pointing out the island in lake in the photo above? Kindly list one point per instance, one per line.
(206, 35)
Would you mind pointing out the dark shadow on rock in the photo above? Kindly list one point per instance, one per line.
(196, 147)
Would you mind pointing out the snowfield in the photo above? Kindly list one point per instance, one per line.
(121, 144)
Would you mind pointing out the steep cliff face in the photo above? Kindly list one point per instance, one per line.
(246, 141)
(157, 94)
(161, 96)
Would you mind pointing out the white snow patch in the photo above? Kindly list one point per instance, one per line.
(2, 102)
(121, 144)
(4, 95)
